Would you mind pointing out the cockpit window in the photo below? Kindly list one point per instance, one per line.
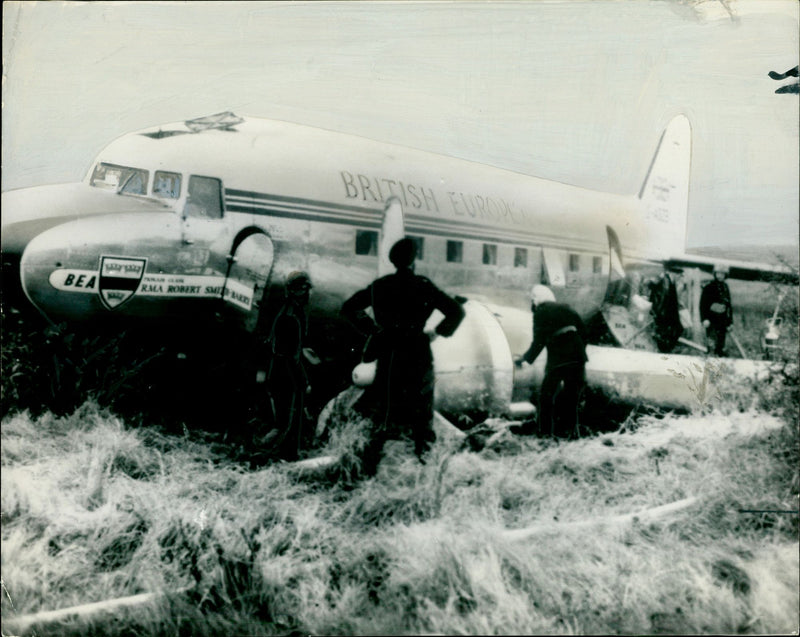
(204, 198)
(167, 185)
(135, 183)
(122, 179)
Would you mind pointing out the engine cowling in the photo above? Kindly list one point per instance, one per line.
(474, 367)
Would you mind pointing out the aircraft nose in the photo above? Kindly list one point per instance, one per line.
(16, 218)
(24, 216)
(29, 211)
(42, 255)
(60, 267)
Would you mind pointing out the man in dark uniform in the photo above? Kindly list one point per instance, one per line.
(401, 396)
(287, 379)
(716, 310)
(557, 327)
(666, 310)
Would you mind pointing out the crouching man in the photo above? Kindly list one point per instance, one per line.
(558, 328)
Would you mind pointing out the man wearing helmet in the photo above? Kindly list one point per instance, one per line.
(402, 393)
(716, 310)
(557, 327)
(666, 309)
(287, 379)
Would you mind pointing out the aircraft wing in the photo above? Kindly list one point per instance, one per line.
(742, 270)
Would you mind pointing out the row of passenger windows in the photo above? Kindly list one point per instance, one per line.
(367, 245)
(575, 264)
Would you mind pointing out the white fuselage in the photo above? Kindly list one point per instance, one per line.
(168, 219)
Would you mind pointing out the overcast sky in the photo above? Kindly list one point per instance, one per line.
(573, 91)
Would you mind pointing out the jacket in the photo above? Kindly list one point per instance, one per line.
(715, 304)
(557, 327)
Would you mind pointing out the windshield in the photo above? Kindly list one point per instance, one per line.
(122, 179)
(167, 185)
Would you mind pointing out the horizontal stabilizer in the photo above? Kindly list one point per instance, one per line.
(741, 270)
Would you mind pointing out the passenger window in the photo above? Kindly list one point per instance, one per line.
(367, 242)
(520, 257)
(574, 262)
(597, 265)
(204, 198)
(419, 243)
(489, 254)
(455, 251)
(167, 185)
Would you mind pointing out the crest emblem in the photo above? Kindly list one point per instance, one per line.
(119, 279)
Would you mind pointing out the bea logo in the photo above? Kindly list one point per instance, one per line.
(85, 281)
(119, 279)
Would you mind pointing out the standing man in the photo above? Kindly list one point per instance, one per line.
(557, 327)
(666, 310)
(716, 310)
(287, 379)
(401, 395)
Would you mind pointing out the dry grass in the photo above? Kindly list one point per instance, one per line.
(92, 510)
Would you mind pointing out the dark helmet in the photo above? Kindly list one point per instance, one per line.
(403, 253)
(298, 281)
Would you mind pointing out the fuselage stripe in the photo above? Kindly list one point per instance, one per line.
(249, 194)
(371, 218)
(301, 215)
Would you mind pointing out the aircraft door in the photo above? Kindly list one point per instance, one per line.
(250, 266)
(554, 268)
(392, 230)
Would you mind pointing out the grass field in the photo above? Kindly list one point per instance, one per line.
(93, 510)
(154, 489)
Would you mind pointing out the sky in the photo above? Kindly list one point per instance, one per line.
(573, 91)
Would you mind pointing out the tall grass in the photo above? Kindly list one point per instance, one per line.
(93, 510)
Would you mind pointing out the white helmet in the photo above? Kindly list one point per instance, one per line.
(542, 294)
(721, 267)
(364, 374)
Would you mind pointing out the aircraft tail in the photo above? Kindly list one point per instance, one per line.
(665, 192)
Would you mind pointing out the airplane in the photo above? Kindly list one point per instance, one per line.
(205, 218)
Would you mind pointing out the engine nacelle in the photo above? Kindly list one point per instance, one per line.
(474, 367)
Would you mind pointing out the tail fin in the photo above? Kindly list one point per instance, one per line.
(665, 191)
